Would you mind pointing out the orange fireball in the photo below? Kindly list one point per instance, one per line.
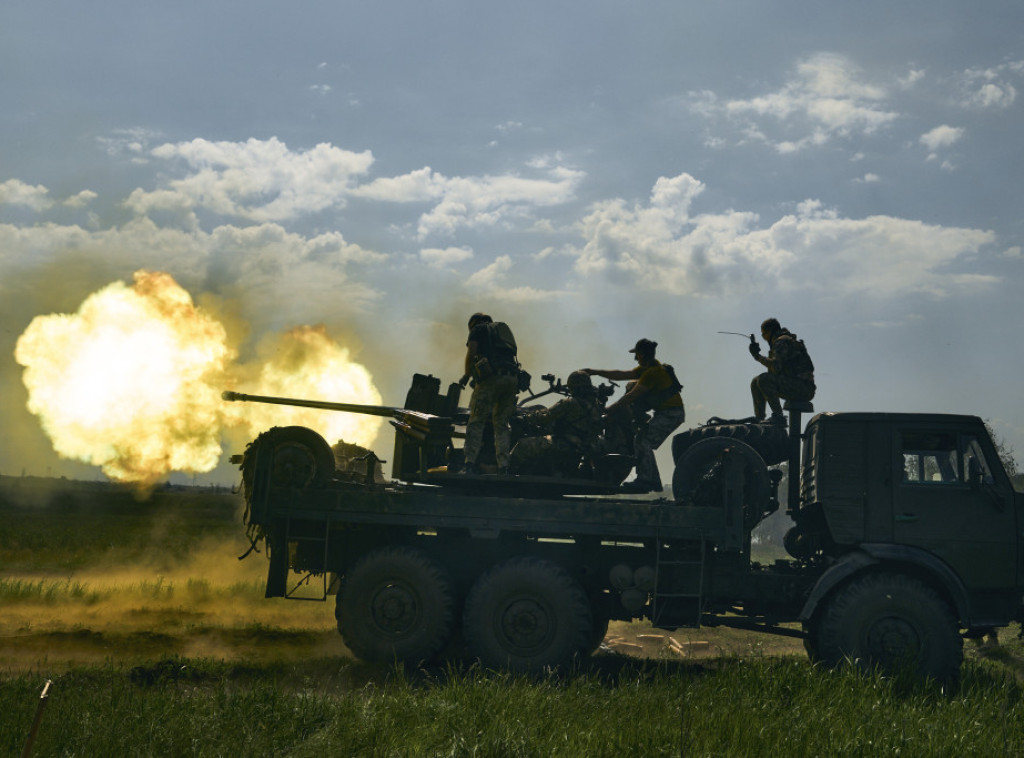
(132, 381)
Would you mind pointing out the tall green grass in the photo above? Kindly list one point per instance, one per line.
(610, 707)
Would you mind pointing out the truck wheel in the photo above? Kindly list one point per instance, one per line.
(702, 456)
(395, 604)
(891, 621)
(771, 442)
(527, 614)
(600, 631)
(811, 642)
(299, 457)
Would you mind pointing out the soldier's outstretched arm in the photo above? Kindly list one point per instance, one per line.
(611, 373)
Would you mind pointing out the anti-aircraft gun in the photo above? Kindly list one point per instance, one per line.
(906, 539)
(424, 453)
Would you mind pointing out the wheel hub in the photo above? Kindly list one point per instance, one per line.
(394, 609)
(891, 639)
(526, 624)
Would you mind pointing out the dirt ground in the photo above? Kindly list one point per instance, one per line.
(133, 627)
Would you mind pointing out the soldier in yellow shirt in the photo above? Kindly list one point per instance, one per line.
(654, 387)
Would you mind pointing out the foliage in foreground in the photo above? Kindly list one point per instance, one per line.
(611, 707)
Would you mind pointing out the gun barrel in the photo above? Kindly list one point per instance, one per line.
(368, 410)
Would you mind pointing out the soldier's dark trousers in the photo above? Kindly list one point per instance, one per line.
(769, 388)
(649, 438)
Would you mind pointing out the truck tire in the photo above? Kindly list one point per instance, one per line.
(598, 633)
(770, 441)
(527, 614)
(299, 457)
(702, 456)
(890, 621)
(395, 604)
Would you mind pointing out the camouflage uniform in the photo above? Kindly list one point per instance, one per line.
(496, 372)
(649, 437)
(790, 375)
(494, 397)
(575, 425)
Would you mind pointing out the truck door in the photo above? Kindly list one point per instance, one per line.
(949, 504)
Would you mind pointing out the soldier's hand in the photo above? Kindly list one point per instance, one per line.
(755, 349)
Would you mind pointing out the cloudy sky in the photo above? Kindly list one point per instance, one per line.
(591, 172)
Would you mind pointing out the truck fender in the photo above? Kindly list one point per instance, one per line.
(871, 554)
(845, 567)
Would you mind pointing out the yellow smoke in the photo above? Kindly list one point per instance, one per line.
(132, 381)
(306, 363)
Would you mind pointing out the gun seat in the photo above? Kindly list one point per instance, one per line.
(798, 406)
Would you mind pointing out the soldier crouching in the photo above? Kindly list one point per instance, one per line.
(573, 427)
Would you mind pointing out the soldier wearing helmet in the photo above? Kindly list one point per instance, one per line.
(654, 388)
(492, 364)
(570, 430)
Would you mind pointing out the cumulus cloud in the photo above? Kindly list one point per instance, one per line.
(17, 192)
(661, 246)
(421, 185)
(440, 258)
(81, 199)
(489, 200)
(258, 180)
(492, 283)
(941, 136)
(133, 143)
(990, 87)
(277, 276)
(263, 180)
(913, 77)
(826, 98)
(489, 277)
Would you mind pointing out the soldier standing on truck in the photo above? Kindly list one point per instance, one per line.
(790, 374)
(654, 388)
(491, 363)
(574, 426)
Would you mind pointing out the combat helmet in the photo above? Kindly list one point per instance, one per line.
(579, 383)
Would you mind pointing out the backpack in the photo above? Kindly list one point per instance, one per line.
(500, 353)
(799, 361)
(501, 338)
(654, 398)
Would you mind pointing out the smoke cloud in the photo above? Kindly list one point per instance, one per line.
(131, 381)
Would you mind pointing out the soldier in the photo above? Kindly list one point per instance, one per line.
(655, 388)
(790, 374)
(491, 362)
(574, 426)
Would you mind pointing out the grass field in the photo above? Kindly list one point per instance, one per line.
(158, 641)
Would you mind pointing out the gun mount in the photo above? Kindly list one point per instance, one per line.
(424, 452)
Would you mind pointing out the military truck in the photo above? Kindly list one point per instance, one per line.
(907, 538)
